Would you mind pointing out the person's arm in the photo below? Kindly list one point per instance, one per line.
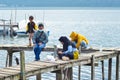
(69, 50)
(85, 39)
(78, 42)
(26, 28)
(46, 38)
(36, 27)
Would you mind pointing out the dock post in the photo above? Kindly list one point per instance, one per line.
(110, 69)
(59, 75)
(22, 65)
(92, 68)
(70, 73)
(55, 51)
(79, 73)
(79, 67)
(4, 30)
(117, 65)
(6, 65)
(10, 54)
(102, 70)
(38, 76)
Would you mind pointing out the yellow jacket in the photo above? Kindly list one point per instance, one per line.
(78, 38)
(35, 27)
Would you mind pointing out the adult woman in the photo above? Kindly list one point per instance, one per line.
(69, 50)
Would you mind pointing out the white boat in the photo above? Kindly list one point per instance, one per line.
(21, 31)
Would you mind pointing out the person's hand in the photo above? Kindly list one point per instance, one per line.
(60, 52)
(33, 44)
(40, 43)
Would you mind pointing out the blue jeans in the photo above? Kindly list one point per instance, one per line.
(37, 50)
(82, 44)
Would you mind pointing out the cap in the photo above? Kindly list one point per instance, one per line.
(40, 25)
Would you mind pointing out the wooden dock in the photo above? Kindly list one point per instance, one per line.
(88, 56)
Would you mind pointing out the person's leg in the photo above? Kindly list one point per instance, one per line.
(83, 44)
(32, 34)
(64, 58)
(38, 51)
(30, 37)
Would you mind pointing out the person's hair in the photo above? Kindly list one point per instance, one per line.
(40, 25)
(31, 17)
(66, 42)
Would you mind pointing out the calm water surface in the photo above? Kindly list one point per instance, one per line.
(101, 27)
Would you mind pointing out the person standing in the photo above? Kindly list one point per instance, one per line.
(30, 28)
(40, 39)
(79, 40)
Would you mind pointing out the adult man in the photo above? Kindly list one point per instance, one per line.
(40, 39)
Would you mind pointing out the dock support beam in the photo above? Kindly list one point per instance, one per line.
(55, 51)
(92, 68)
(9, 58)
(79, 67)
(117, 66)
(79, 72)
(22, 65)
(70, 73)
(59, 75)
(110, 69)
(38, 76)
(103, 77)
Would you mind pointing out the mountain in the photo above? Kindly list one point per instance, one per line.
(61, 3)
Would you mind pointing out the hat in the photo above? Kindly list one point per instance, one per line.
(40, 25)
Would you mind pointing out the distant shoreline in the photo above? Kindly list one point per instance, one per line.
(59, 8)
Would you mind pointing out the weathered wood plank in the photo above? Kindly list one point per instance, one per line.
(37, 67)
(22, 65)
(48, 48)
(92, 68)
(117, 66)
(110, 69)
(59, 75)
(103, 75)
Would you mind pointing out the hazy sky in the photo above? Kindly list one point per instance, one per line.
(61, 3)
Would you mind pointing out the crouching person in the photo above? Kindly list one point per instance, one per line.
(40, 39)
(69, 50)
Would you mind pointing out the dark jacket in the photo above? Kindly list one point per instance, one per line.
(31, 26)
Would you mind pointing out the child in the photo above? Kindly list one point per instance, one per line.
(30, 28)
(69, 50)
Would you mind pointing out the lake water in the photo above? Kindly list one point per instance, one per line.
(101, 27)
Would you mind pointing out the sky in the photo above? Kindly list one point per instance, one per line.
(60, 3)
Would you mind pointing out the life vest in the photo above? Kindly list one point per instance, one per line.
(31, 27)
